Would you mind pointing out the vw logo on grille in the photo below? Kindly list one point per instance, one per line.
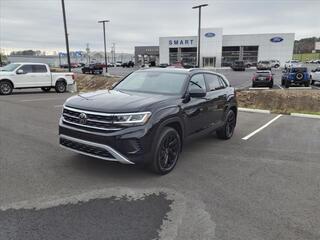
(83, 118)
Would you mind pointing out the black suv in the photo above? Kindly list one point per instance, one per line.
(146, 117)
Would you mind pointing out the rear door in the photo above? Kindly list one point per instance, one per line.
(41, 75)
(216, 98)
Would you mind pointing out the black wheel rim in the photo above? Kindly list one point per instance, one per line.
(231, 124)
(61, 87)
(169, 151)
(5, 88)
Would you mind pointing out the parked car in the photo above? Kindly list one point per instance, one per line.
(264, 65)
(295, 76)
(118, 64)
(262, 79)
(147, 117)
(128, 64)
(163, 65)
(93, 68)
(275, 63)
(292, 63)
(33, 75)
(111, 64)
(249, 64)
(315, 75)
(238, 66)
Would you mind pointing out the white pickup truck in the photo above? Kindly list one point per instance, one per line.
(33, 75)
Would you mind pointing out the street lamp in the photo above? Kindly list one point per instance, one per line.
(105, 44)
(199, 27)
(66, 34)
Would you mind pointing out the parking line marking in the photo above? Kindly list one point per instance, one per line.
(39, 99)
(261, 128)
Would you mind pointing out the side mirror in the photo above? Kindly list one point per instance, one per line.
(197, 93)
(20, 71)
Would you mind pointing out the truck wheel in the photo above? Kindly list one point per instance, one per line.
(307, 84)
(312, 82)
(287, 84)
(227, 130)
(61, 87)
(271, 85)
(167, 151)
(46, 89)
(5, 88)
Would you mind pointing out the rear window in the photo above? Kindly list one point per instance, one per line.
(39, 68)
(301, 69)
(265, 62)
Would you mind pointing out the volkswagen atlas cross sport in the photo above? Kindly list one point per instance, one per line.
(146, 117)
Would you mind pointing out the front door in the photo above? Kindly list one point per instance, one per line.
(195, 110)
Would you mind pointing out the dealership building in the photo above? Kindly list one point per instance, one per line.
(218, 50)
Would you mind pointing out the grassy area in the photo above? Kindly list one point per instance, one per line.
(306, 56)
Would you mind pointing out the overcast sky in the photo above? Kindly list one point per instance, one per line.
(38, 24)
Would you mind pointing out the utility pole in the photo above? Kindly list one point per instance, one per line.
(199, 30)
(105, 44)
(66, 34)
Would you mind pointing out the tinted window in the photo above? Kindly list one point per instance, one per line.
(213, 82)
(26, 68)
(197, 81)
(39, 68)
(153, 82)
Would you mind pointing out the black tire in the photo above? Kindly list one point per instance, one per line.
(46, 89)
(169, 143)
(61, 86)
(299, 76)
(6, 87)
(277, 65)
(226, 132)
(271, 85)
(307, 84)
(287, 84)
(253, 85)
(312, 82)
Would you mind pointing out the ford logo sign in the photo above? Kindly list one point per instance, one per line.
(276, 39)
(209, 34)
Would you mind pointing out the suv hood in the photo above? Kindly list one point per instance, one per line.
(111, 101)
(3, 73)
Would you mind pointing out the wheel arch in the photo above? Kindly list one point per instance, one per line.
(7, 80)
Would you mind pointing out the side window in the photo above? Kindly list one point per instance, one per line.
(222, 82)
(213, 82)
(39, 68)
(197, 82)
(26, 68)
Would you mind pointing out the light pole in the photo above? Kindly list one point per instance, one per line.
(66, 34)
(105, 44)
(199, 28)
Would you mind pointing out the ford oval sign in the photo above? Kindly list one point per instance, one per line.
(276, 39)
(209, 34)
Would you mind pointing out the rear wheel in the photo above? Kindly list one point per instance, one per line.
(307, 84)
(6, 88)
(167, 151)
(61, 87)
(271, 84)
(46, 89)
(287, 84)
(227, 130)
(312, 82)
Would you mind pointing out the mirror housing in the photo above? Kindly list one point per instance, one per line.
(197, 93)
(20, 71)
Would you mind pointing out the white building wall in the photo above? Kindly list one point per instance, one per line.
(268, 50)
(211, 46)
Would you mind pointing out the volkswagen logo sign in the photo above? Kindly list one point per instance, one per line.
(276, 39)
(209, 34)
(83, 118)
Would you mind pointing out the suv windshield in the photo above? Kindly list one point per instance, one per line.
(9, 68)
(153, 82)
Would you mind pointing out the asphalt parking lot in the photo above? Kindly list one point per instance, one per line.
(254, 186)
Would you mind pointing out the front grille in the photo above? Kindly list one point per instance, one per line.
(101, 152)
(93, 120)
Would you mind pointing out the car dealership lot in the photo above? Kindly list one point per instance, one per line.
(265, 187)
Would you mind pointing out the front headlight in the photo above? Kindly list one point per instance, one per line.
(132, 118)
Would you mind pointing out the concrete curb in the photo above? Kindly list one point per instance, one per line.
(299, 88)
(305, 115)
(254, 110)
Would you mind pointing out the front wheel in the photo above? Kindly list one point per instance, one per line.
(227, 130)
(6, 88)
(167, 151)
(61, 87)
